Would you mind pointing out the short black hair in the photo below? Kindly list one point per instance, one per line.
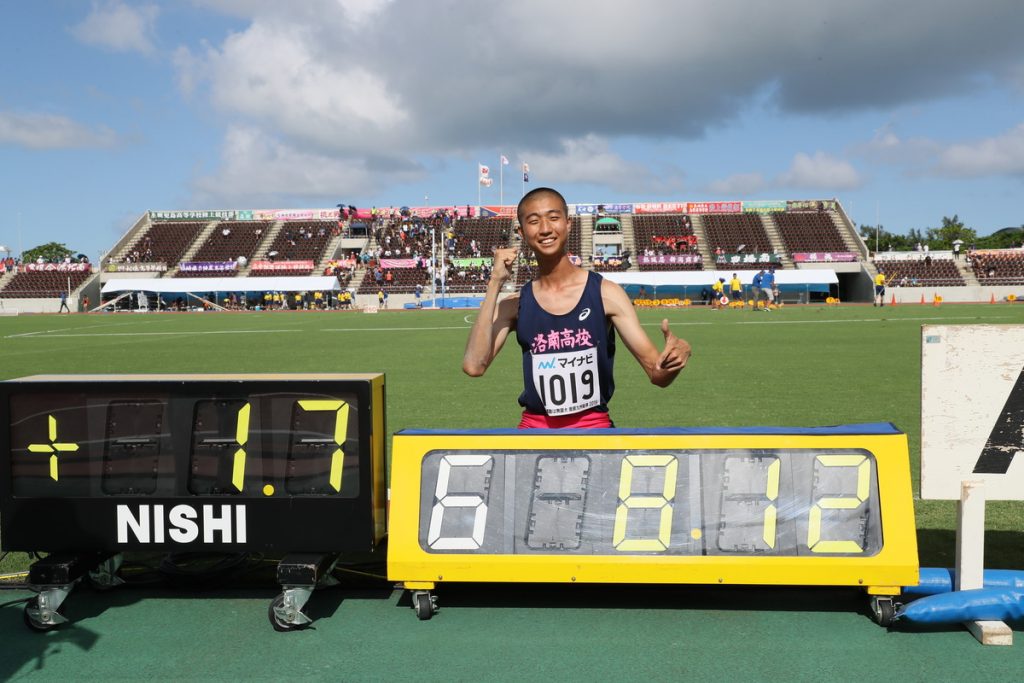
(539, 191)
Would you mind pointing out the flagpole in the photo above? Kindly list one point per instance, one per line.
(501, 180)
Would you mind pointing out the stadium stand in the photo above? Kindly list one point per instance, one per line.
(42, 284)
(664, 235)
(728, 232)
(403, 280)
(921, 273)
(298, 241)
(229, 241)
(1003, 268)
(164, 242)
(809, 232)
(485, 233)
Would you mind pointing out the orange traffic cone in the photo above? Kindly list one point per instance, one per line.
(993, 299)
(893, 302)
(922, 298)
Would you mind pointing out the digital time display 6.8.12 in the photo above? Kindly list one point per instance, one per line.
(700, 502)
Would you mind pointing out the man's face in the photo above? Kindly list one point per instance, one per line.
(544, 224)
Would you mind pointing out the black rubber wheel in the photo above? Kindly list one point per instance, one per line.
(33, 625)
(883, 610)
(275, 621)
(423, 605)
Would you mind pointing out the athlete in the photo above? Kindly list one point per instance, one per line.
(565, 321)
(880, 289)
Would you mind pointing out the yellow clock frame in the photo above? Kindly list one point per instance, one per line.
(882, 574)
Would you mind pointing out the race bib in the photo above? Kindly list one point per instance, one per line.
(567, 382)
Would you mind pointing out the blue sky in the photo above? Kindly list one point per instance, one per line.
(909, 111)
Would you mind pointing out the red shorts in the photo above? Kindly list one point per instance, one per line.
(588, 419)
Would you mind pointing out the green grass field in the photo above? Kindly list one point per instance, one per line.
(799, 366)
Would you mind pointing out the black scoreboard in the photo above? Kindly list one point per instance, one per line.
(275, 464)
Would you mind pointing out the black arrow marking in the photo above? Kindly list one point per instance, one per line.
(1007, 437)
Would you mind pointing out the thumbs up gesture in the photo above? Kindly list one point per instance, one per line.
(677, 351)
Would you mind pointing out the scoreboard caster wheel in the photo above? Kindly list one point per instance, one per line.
(425, 605)
(41, 621)
(883, 609)
(285, 617)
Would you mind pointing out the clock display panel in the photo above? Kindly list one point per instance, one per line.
(783, 502)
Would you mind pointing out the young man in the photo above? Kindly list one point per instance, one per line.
(565, 322)
(879, 289)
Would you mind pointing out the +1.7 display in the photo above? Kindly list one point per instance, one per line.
(110, 462)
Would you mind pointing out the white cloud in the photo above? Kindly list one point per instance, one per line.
(273, 75)
(117, 26)
(819, 172)
(738, 185)
(886, 146)
(50, 131)
(257, 168)
(999, 155)
(403, 80)
(590, 160)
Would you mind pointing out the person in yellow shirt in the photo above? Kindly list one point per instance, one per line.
(880, 289)
(735, 288)
(717, 292)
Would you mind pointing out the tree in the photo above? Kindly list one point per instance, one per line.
(952, 229)
(52, 252)
(1007, 238)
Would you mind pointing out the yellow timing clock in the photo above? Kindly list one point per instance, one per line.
(825, 506)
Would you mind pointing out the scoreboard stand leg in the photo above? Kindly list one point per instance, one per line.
(299, 574)
(52, 578)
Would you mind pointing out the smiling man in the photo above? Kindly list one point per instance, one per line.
(565, 321)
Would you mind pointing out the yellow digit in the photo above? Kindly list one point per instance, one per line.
(340, 430)
(632, 502)
(771, 513)
(241, 437)
(814, 542)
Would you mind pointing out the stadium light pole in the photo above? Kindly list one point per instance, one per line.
(877, 227)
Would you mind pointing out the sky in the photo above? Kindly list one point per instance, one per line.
(906, 112)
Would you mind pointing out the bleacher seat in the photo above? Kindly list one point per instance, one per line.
(42, 284)
(1004, 268)
(939, 272)
(809, 232)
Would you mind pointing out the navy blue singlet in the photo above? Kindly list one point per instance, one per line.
(567, 359)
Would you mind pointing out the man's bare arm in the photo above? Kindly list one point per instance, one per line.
(494, 321)
(661, 367)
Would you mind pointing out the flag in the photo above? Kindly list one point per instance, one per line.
(526, 172)
(484, 171)
(504, 160)
(486, 182)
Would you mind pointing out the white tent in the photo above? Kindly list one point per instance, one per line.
(182, 285)
(682, 278)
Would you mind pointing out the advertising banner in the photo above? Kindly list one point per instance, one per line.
(471, 262)
(207, 266)
(824, 257)
(582, 209)
(58, 267)
(767, 259)
(136, 267)
(493, 211)
(660, 207)
(282, 265)
(295, 214)
(714, 207)
(228, 215)
(766, 206)
(397, 263)
(805, 205)
(677, 259)
(912, 255)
